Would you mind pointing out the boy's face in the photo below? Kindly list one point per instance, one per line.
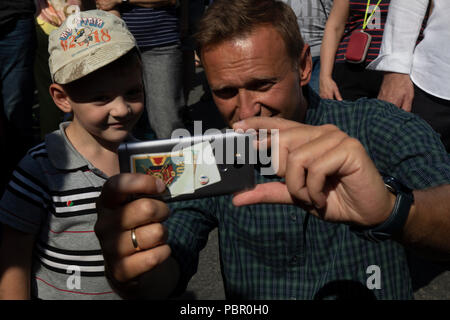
(108, 103)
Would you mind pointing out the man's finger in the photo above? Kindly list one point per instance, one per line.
(271, 192)
(146, 237)
(117, 190)
(301, 159)
(132, 266)
(140, 212)
(267, 123)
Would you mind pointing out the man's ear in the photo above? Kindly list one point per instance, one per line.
(305, 65)
(60, 97)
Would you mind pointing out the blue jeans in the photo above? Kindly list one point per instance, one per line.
(17, 50)
(314, 82)
(163, 72)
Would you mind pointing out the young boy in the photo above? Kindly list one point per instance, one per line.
(48, 248)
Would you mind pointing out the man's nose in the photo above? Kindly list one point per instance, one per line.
(121, 108)
(247, 105)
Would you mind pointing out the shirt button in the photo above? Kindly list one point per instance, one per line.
(294, 260)
(293, 216)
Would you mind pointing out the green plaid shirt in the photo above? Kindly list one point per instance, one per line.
(271, 251)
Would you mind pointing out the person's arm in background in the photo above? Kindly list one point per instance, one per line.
(334, 31)
(186, 31)
(87, 5)
(396, 55)
(15, 264)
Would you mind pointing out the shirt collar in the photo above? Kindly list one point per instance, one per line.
(61, 152)
(313, 112)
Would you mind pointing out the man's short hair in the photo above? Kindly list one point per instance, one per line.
(233, 19)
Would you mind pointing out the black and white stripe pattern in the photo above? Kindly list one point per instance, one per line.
(152, 27)
(68, 203)
(75, 202)
(90, 263)
(52, 194)
(30, 189)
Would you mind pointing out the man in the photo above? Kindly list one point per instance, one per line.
(417, 76)
(292, 247)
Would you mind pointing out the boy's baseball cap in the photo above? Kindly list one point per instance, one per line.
(85, 42)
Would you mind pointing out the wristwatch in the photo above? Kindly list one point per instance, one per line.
(397, 219)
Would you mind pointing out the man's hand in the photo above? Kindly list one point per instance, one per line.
(117, 217)
(107, 5)
(397, 88)
(326, 171)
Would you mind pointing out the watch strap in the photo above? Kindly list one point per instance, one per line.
(397, 219)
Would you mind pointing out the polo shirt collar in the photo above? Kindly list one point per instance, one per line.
(61, 152)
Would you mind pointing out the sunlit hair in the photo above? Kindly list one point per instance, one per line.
(234, 19)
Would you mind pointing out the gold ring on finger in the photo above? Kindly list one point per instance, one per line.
(134, 239)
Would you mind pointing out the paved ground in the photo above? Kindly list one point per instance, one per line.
(432, 281)
(207, 282)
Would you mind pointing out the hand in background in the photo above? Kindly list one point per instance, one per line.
(107, 5)
(397, 88)
(328, 89)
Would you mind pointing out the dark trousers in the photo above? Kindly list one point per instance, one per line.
(355, 81)
(17, 49)
(435, 111)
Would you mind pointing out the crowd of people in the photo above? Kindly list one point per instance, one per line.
(359, 100)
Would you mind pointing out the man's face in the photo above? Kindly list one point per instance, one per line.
(254, 76)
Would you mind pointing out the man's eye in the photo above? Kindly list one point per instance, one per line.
(261, 86)
(225, 93)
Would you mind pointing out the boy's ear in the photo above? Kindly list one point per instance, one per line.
(60, 97)
(305, 65)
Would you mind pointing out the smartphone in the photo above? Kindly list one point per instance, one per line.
(194, 167)
(357, 47)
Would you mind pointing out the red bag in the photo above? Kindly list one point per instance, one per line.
(357, 47)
